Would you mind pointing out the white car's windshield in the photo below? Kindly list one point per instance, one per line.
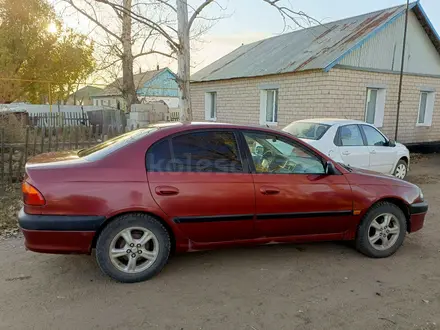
(306, 130)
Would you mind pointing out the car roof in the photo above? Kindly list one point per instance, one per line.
(330, 121)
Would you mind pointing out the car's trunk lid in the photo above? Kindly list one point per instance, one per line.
(52, 158)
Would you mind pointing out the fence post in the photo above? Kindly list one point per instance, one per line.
(26, 142)
(35, 140)
(50, 138)
(11, 153)
(76, 136)
(56, 137)
(70, 137)
(43, 135)
(2, 154)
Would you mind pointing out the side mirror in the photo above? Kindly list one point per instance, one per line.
(391, 143)
(330, 168)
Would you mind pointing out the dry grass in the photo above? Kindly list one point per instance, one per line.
(10, 204)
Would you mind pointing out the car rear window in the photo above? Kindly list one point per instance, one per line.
(306, 130)
(103, 149)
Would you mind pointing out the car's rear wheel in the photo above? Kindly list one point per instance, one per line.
(401, 169)
(133, 248)
(381, 231)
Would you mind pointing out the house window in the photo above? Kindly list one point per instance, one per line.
(375, 106)
(211, 106)
(102, 102)
(426, 107)
(269, 107)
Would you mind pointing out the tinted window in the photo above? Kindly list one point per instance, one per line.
(311, 131)
(350, 135)
(206, 152)
(159, 157)
(103, 149)
(272, 155)
(374, 138)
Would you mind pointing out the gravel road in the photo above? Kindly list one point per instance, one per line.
(307, 286)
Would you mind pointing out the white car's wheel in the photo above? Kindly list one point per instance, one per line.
(401, 169)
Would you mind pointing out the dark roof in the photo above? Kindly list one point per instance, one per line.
(319, 47)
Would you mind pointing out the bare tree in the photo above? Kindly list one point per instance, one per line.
(121, 41)
(179, 30)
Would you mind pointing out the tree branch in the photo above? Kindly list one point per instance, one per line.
(94, 20)
(198, 11)
(294, 16)
(141, 19)
(154, 52)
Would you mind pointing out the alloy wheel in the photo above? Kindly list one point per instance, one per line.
(384, 231)
(134, 250)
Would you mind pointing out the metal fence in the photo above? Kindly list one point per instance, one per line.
(45, 119)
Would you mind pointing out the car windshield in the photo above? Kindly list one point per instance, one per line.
(107, 147)
(306, 130)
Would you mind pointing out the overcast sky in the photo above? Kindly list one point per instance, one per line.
(252, 20)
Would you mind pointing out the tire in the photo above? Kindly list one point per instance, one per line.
(133, 259)
(401, 169)
(367, 231)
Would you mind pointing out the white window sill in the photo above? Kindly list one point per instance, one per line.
(423, 125)
(211, 119)
(270, 124)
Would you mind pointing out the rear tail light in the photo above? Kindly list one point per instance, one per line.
(31, 196)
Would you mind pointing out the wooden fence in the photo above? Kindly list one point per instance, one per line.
(37, 140)
(47, 119)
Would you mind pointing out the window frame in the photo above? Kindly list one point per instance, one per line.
(338, 141)
(429, 107)
(282, 138)
(209, 97)
(379, 110)
(241, 154)
(263, 105)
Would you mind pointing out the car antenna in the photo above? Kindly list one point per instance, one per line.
(267, 125)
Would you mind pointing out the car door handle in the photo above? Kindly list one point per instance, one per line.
(346, 153)
(372, 151)
(269, 190)
(166, 191)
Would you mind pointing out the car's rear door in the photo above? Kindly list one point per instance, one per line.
(382, 155)
(352, 147)
(295, 197)
(198, 178)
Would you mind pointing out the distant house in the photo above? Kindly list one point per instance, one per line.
(347, 69)
(83, 96)
(151, 86)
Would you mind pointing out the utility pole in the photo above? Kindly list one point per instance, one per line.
(399, 97)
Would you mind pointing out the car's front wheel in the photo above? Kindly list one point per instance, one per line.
(133, 248)
(401, 169)
(381, 231)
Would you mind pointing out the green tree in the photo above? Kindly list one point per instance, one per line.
(35, 49)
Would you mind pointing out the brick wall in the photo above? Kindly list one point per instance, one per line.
(340, 93)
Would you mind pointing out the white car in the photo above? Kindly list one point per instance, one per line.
(354, 143)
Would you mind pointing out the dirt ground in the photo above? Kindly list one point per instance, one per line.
(307, 286)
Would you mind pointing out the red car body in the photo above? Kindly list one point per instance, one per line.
(201, 210)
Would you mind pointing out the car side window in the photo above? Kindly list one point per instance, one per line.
(159, 157)
(374, 137)
(350, 136)
(206, 152)
(196, 152)
(275, 155)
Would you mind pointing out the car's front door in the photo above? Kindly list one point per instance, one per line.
(382, 155)
(294, 195)
(199, 180)
(351, 146)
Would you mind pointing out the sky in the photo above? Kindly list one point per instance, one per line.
(247, 21)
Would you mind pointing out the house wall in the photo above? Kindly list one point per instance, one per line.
(384, 49)
(164, 84)
(339, 93)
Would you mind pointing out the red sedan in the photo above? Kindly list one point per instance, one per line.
(187, 187)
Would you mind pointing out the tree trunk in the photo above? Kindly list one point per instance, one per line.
(128, 87)
(183, 59)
